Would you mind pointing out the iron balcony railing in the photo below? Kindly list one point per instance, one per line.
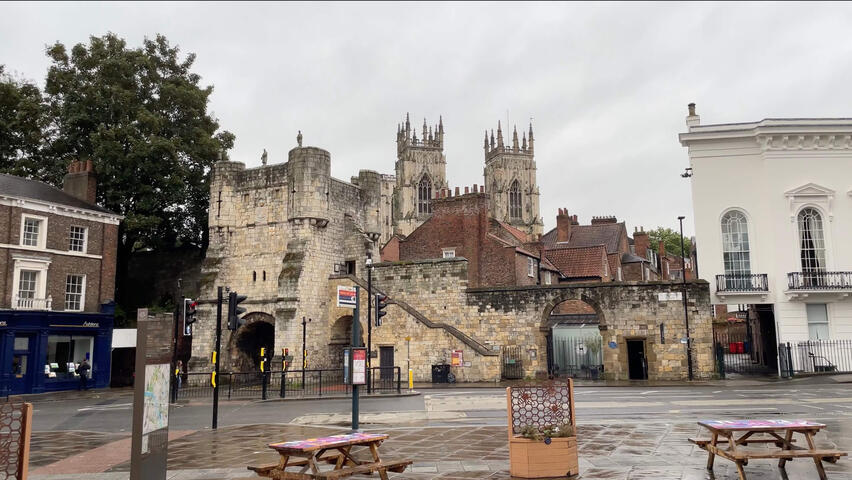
(751, 282)
(819, 280)
(24, 303)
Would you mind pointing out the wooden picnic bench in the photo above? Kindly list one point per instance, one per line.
(778, 433)
(336, 449)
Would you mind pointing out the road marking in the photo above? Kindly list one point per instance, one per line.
(829, 400)
(616, 404)
(650, 391)
(103, 408)
(745, 401)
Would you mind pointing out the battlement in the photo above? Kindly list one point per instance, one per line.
(432, 136)
(493, 149)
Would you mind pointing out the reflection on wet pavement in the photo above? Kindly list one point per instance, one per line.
(613, 451)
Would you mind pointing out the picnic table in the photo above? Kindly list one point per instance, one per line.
(337, 450)
(738, 434)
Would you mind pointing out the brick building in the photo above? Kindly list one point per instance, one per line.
(601, 251)
(461, 225)
(57, 258)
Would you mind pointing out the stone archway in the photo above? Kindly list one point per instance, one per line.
(245, 344)
(574, 342)
(340, 338)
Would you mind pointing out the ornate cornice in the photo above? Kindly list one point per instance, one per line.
(805, 141)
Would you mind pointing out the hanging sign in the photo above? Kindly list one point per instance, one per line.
(347, 297)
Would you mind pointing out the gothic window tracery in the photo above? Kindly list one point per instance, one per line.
(515, 200)
(424, 196)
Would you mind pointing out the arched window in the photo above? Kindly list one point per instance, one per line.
(254, 276)
(515, 200)
(735, 251)
(811, 240)
(424, 196)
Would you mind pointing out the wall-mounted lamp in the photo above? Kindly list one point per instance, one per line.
(687, 173)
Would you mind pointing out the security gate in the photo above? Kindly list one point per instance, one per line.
(740, 349)
(513, 365)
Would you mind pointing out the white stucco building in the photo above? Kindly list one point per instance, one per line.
(773, 220)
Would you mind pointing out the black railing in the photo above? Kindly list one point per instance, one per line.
(752, 282)
(819, 280)
(821, 356)
(285, 384)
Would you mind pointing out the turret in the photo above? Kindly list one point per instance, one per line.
(309, 176)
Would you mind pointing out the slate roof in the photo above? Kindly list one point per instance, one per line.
(33, 189)
(607, 234)
(578, 262)
(632, 258)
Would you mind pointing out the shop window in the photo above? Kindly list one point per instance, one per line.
(64, 355)
(77, 239)
(75, 287)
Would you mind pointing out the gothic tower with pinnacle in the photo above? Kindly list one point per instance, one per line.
(510, 181)
(420, 172)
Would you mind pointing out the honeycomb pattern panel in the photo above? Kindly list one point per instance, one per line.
(11, 437)
(540, 406)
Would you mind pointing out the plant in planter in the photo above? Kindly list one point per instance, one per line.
(542, 431)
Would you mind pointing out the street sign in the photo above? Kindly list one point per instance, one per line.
(355, 366)
(347, 297)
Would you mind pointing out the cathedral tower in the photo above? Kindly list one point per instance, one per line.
(510, 180)
(420, 172)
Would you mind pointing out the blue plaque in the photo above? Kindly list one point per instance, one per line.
(613, 345)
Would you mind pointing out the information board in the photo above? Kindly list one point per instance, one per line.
(347, 297)
(457, 358)
(359, 366)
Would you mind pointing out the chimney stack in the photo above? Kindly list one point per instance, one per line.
(664, 262)
(692, 120)
(641, 242)
(80, 181)
(563, 225)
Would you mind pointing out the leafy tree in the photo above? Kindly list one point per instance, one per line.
(671, 240)
(23, 126)
(141, 115)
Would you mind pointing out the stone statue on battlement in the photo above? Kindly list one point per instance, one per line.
(263, 157)
(299, 138)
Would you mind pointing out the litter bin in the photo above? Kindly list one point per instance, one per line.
(440, 373)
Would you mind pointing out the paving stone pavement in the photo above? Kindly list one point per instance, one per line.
(626, 451)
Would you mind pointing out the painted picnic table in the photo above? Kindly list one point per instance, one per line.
(737, 434)
(335, 449)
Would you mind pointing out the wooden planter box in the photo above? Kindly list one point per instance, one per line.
(535, 459)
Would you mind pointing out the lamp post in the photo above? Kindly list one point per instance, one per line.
(305, 350)
(685, 306)
(369, 263)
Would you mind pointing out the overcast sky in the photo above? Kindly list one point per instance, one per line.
(606, 84)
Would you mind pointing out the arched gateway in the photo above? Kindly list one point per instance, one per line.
(245, 344)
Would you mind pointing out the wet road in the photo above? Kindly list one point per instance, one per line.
(111, 412)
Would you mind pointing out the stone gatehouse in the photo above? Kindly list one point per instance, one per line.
(432, 305)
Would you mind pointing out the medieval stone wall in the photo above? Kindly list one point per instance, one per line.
(276, 234)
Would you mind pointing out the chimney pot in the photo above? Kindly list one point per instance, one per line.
(475, 188)
(457, 191)
(466, 190)
(691, 108)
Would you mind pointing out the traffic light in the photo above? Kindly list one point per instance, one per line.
(381, 304)
(234, 311)
(189, 309)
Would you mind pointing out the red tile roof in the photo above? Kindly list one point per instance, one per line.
(608, 234)
(520, 235)
(578, 262)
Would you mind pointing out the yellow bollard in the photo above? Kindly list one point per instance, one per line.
(410, 379)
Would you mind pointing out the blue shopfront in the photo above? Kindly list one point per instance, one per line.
(40, 351)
